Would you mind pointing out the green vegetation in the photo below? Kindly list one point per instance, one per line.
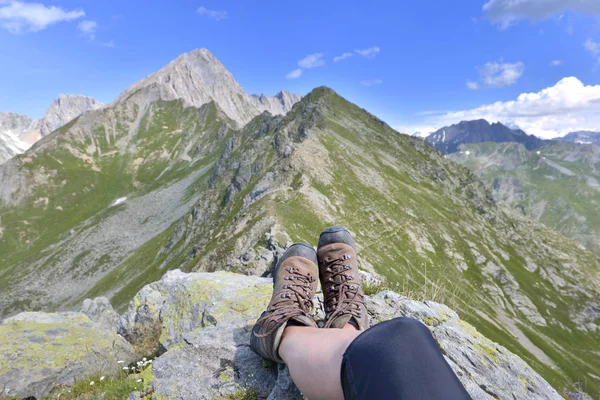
(93, 388)
(242, 394)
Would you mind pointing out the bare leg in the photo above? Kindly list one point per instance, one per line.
(314, 358)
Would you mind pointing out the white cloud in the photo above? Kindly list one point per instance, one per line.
(416, 130)
(556, 63)
(88, 28)
(372, 82)
(295, 74)
(109, 44)
(371, 52)
(497, 74)
(507, 12)
(593, 48)
(312, 61)
(16, 16)
(555, 111)
(473, 85)
(342, 57)
(217, 15)
(308, 62)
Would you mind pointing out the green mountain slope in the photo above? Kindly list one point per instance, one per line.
(556, 184)
(203, 196)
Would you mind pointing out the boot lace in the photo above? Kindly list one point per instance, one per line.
(344, 298)
(293, 300)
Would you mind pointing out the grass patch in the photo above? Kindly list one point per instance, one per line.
(93, 388)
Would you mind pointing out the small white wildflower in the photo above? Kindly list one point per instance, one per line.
(120, 362)
(144, 359)
(150, 361)
(102, 378)
(92, 383)
(139, 380)
(125, 368)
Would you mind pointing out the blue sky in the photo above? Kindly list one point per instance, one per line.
(417, 65)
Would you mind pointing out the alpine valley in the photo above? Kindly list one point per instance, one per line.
(185, 170)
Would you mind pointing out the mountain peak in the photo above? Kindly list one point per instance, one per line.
(198, 78)
(64, 109)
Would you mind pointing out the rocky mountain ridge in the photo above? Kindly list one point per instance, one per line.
(449, 138)
(122, 194)
(201, 324)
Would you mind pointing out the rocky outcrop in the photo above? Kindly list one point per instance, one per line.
(198, 78)
(39, 351)
(204, 322)
(64, 109)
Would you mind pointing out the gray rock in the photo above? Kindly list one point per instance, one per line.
(100, 311)
(40, 350)
(207, 360)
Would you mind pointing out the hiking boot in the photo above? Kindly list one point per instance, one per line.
(338, 272)
(294, 286)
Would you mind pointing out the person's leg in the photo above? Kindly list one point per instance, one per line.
(398, 359)
(314, 358)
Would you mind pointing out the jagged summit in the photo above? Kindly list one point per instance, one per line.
(198, 77)
(281, 103)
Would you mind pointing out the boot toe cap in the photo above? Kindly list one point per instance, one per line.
(336, 234)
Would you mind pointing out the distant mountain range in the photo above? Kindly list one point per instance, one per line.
(18, 132)
(197, 78)
(557, 184)
(582, 137)
(449, 138)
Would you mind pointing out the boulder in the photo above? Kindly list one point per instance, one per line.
(204, 322)
(40, 350)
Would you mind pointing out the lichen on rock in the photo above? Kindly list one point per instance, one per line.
(39, 351)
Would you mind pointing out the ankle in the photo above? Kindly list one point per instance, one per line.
(350, 327)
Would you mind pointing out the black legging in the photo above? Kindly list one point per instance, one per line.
(398, 359)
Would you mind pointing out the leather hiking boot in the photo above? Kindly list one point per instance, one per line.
(338, 272)
(294, 286)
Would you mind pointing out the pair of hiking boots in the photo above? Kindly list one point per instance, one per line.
(295, 284)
